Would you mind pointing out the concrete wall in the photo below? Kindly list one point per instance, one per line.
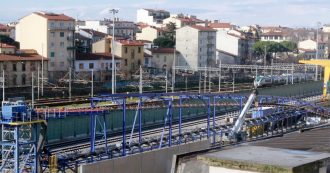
(159, 161)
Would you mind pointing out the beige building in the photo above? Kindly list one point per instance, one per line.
(162, 58)
(52, 35)
(150, 33)
(311, 45)
(131, 54)
(102, 46)
(181, 20)
(18, 67)
(7, 49)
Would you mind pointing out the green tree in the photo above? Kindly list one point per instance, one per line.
(164, 42)
(290, 46)
(170, 31)
(7, 40)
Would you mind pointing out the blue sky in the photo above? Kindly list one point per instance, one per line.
(242, 12)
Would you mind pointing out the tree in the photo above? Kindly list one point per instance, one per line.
(7, 40)
(164, 42)
(170, 31)
(290, 46)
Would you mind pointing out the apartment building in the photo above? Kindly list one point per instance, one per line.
(150, 33)
(152, 17)
(126, 29)
(99, 63)
(162, 58)
(131, 54)
(181, 20)
(19, 65)
(311, 46)
(52, 35)
(196, 46)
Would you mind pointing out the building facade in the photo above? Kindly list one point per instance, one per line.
(20, 65)
(52, 35)
(152, 17)
(162, 58)
(99, 63)
(196, 46)
(312, 45)
(131, 54)
(150, 33)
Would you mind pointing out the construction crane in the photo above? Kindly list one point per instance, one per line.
(235, 133)
(326, 64)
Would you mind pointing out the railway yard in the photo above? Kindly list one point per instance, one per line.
(82, 130)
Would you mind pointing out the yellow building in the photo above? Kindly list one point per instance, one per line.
(52, 36)
(131, 54)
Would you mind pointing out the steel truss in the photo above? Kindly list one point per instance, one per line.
(287, 110)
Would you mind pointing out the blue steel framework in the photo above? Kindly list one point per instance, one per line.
(20, 146)
(169, 98)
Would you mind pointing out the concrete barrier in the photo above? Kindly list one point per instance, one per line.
(159, 161)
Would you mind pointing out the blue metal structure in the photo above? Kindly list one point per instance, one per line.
(20, 138)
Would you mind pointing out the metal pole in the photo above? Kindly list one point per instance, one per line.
(233, 82)
(205, 78)
(140, 86)
(180, 119)
(140, 122)
(124, 128)
(265, 56)
(317, 49)
(271, 71)
(173, 71)
(209, 81)
(208, 116)
(219, 76)
(92, 88)
(70, 71)
(42, 70)
(292, 74)
(186, 84)
(38, 78)
(113, 11)
(165, 80)
(199, 83)
(32, 82)
(3, 85)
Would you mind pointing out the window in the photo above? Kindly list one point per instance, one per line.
(157, 56)
(23, 79)
(52, 64)
(200, 49)
(164, 59)
(14, 67)
(62, 64)
(32, 66)
(52, 34)
(91, 65)
(52, 54)
(61, 34)
(52, 25)
(102, 65)
(52, 44)
(4, 66)
(139, 49)
(15, 80)
(125, 62)
(139, 62)
(146, 61)
(61, 44)
(61, 24)
(81, 66)
(23, 66)
(126, 50)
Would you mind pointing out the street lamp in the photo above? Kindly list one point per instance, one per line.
(113, 11)
(317, 47)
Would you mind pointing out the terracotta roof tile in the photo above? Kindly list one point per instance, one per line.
(219, 25)
(202, 28)
(53, 16)
(95, 33)
(94, 56)
(131, 42)
(22, 57)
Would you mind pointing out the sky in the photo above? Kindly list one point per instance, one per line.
(292, 13)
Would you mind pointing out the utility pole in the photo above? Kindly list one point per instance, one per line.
(271, 70)
(166, 80)
(205, 78)
(265, 56)
(233, 81)
(209, 81)
(38, 82)
(113, 11)
(173, 70)
(32, 90)
(70, 80)
(219, 76)
(42, 70)
(199, 83)
(3, 85)
(317, 49)
(92, 82)
(141, 85)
